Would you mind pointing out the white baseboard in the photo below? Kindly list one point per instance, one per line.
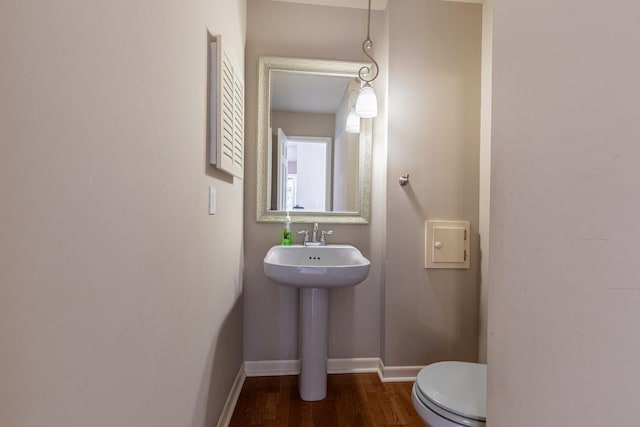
(352, 366)
(380, 370)
(271, 368)
(232, 399)
(397, 374)
(263, 368)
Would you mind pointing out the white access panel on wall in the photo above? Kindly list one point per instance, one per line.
(446, 244)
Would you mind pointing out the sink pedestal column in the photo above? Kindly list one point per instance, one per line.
(314, 319)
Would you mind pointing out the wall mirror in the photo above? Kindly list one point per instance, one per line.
(308, 163)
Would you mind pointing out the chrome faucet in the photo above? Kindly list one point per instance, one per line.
(314, 236)
(323, 238)
(306, 236)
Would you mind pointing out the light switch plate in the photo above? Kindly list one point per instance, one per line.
(212, 200)
(447, 244)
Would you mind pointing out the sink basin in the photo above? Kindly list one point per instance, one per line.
(331, 266)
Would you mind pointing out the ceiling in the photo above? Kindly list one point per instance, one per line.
(306, 93)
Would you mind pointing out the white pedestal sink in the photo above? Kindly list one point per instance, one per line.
(315, 270)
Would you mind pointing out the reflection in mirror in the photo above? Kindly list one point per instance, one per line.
(308, 120)
(308, 163)
(303, 181)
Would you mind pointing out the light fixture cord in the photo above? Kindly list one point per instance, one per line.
(367, 45)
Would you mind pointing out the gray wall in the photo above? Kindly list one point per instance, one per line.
(406, 315)
(303, 124)
(271, 311)
(434, 119)
(120, 297)
(564, 335)
(485, 174)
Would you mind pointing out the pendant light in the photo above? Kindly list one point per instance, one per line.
(367, 104)
(353, 121)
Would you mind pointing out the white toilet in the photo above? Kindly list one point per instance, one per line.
(452, 394)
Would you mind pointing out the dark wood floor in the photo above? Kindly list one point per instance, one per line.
(353, 400)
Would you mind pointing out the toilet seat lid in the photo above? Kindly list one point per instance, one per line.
(458, 387)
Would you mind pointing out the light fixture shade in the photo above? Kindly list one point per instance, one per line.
(353, 121)
(367, 104)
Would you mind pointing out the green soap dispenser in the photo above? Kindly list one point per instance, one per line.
(287, 235)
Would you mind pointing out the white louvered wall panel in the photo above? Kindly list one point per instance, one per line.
(227, 145)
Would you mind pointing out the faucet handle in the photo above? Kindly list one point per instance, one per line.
(323, 239)
(306, 235)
